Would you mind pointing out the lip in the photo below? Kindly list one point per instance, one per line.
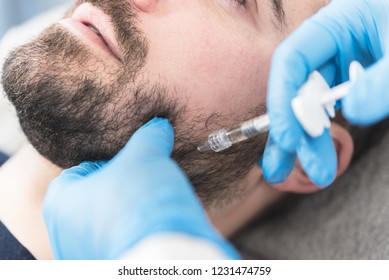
(87, 15)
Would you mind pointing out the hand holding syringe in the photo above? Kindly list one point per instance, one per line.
(312, 108)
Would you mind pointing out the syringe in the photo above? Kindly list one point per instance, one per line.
(312, 107)
(224, 138)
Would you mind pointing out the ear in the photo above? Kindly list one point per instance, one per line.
(146, 6)
(298, 181)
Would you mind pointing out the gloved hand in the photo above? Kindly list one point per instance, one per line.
(329, 41)
(101, 210)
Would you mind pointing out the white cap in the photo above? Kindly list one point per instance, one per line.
(315, 102)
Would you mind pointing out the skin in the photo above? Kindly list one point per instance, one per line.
(208, 52)
(24, 180)
(225, 56)
(231, 45)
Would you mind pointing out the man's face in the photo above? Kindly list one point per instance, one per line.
(216, 53)
(202, 64)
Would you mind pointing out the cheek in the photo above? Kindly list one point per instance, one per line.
(215, 70)
(223, 78)
(229, 80)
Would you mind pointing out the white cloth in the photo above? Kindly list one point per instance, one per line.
(174, 246)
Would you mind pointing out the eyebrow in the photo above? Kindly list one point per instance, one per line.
(279, 13)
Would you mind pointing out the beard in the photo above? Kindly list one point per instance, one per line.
(74, 108)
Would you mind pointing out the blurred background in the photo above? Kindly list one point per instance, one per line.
(14, 12)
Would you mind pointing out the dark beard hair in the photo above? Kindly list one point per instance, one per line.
(74, 116)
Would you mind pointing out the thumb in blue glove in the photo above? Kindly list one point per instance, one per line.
(368, 100)
(102, 210)
(340, 33)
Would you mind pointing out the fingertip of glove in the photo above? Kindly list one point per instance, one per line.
(274, 178)
(156, 121)
(323, 177)
(285, 140)
(163, 125)
(271, 172)
(155, 137)
(325, 182)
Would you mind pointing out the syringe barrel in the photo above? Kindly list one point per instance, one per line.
(248, 129)
(225, 138)
(238, 133)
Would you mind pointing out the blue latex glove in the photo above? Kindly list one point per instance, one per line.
(101, 210)
(343, 31)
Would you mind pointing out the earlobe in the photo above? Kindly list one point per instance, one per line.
(146, 6)
(299, 182)
(344, 146)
